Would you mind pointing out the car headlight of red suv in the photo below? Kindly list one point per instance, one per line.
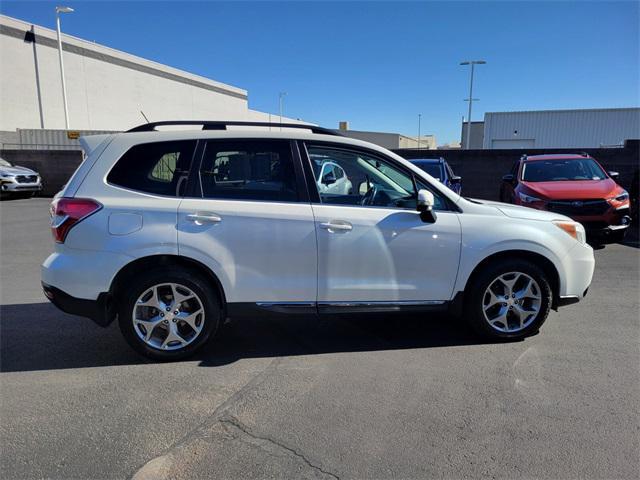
(524, 198)
(620, 201)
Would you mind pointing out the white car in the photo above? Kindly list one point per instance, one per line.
(331, 178)
(173, 231)
(16, 180)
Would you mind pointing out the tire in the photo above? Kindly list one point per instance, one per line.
(158, 333)
(487, 315)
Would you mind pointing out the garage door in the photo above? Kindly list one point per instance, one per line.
(513, 143)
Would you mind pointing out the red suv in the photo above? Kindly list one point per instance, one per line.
(572, 185)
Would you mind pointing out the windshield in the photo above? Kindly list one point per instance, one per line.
(433, 169)
(4, 163)
(562, 170)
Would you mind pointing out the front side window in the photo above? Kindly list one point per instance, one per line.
(249, 170)
(562, 170)
(159, 168)
(366, 180)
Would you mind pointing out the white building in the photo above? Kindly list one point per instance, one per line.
(561, 128)
(390, 140)
(106, 89)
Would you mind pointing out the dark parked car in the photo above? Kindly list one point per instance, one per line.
(439, 169)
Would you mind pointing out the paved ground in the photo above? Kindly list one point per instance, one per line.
(366, 398)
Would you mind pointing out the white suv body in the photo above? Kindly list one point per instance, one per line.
(218, 223)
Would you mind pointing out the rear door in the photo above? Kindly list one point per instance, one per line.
(249, 219)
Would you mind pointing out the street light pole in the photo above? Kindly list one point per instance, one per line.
(60, 10)
(473, 63)
(419, 122)
(281, 100)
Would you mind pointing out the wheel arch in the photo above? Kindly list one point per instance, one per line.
(536, 258)
(153, 261)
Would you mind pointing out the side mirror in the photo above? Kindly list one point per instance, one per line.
(329, 179)
(456, 179)
(508, 178)
(614, 175)
(425, 204)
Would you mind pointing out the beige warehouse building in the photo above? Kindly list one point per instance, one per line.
(106, 89)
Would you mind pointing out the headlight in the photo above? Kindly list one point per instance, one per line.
(574, 229)
(624, 196)
(528, 198)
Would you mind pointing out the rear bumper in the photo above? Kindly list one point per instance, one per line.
(99, 310)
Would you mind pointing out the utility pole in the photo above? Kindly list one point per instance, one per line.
(281, 96)
(419, 122)
(473, 63)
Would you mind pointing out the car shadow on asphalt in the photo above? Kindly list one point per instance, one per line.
(39, 337)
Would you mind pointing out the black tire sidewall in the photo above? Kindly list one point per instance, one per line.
(196, 283)
(474, 309)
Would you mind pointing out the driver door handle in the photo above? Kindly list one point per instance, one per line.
(337, 226)
(202, 218)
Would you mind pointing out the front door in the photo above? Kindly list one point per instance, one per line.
(372, 244)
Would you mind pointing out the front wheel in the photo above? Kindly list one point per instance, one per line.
(509, 299)
(168, 313)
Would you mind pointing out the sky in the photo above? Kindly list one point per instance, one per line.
(380, 64)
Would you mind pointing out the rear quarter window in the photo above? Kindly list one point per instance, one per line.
(159, 168)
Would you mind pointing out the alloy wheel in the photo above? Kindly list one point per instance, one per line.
(511, 302)
(168, 316)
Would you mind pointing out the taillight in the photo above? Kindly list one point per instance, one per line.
(67, 212)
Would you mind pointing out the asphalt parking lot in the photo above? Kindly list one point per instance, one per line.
(381, 397)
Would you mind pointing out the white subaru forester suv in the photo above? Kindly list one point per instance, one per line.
(172, 231)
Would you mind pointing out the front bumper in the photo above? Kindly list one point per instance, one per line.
(614, 219)
(577, 272)
(100, 310)
(610, 230)
(15, 187)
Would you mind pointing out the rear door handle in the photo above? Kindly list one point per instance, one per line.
(202, 218)
(337, 226)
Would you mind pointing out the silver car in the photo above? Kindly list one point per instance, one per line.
(15, 180)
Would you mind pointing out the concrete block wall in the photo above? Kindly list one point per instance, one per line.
(481, 170)
(55, 167)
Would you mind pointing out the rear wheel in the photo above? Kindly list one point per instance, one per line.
(169, 313)
(509, 299)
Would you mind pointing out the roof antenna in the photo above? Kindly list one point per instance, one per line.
(145, 117)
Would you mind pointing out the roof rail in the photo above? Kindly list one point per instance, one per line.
(222, 125)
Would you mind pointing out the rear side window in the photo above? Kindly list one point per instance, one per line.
(160, 168)
(249, 170)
